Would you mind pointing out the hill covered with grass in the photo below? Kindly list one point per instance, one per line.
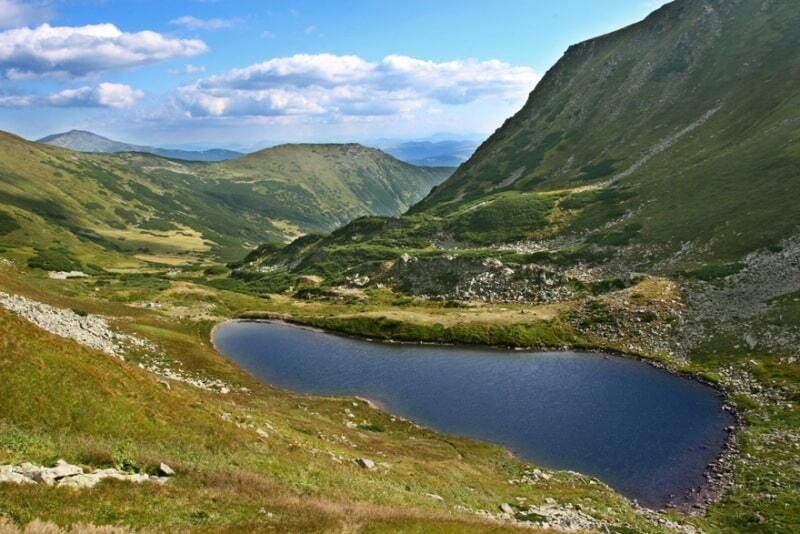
(71, 210)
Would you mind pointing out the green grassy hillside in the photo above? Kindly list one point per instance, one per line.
(75, 210)
(322, 187)
(686, 118)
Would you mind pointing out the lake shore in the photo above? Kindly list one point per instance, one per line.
(717, 477)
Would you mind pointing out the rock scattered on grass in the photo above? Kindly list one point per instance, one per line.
(365, 463)
(94, 331)
(64, 474)
(166, 470)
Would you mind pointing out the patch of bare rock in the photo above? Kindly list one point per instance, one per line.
(95, 332)
(64, 474)
(87, 329)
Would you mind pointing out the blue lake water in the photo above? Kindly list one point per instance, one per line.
(643, 431)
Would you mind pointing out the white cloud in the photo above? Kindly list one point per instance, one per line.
(14, 14)
(104, 95)
(272, 102)
(16, 101)
(188, 69)
(195, 23)
(75, 51)
(350, 86)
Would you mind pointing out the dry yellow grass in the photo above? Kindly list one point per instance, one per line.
(487, 314)
(184, 239)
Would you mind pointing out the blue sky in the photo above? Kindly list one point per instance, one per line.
(245, 73)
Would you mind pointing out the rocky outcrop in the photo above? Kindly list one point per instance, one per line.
(87, 329)
(483, 279)
(95, 332)
(737, 304)
(66, 275)
(64, 474)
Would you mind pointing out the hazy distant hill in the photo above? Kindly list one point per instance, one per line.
(84, 141)
(445, 153)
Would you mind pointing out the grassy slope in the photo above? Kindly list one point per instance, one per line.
(725, 69)
(333, 183)
(58, 399)
(103, 209)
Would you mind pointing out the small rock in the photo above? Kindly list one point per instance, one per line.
(506, 508)
(14, 478)
(83, 481)
(365, 463)
(435, 497)
(61, 470)
(166, 470)
(65, 275)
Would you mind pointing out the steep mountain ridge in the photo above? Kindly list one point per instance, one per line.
(84, 141)
(661, 110)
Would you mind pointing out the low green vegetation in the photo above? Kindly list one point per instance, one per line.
(505, 218)
(54, 259)
(536, 334)
(714, 271)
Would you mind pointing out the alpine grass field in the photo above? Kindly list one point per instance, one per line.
(643, 201)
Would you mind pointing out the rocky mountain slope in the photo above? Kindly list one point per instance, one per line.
(66, 210)
(84, 141)
(679, 132)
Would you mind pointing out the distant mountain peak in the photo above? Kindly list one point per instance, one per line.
(86, 141)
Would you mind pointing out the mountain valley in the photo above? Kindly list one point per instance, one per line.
(641, 203)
